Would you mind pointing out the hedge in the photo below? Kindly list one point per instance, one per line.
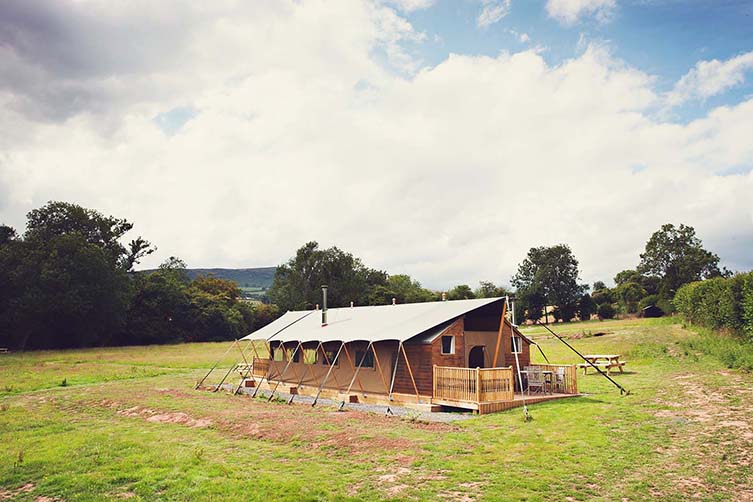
(719, 303)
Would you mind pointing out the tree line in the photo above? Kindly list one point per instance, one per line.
(69, 281)
(547, 281)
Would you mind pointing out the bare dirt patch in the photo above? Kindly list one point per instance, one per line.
(715, 427)
(6, 494)
(165, 418)
(332, 432)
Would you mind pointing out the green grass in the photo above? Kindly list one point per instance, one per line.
(124, 427)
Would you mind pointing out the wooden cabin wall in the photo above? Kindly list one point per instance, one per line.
(423, 357)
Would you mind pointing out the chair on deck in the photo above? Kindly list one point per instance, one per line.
(559, 380)
(536, 381)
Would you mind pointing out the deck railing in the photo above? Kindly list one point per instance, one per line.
(473, 385)
(565, 380)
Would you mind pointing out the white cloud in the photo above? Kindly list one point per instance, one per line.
(300, 132)
(568, 12)
(709, 78)
(492, 11)
(410, 5)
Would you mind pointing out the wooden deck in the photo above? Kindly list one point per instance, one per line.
(486, 390)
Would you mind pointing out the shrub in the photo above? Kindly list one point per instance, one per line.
(606, 311)
(731, 351)
(746, 293)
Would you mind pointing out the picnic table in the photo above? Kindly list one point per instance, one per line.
(605, 361)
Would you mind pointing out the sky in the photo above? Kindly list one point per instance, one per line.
(442, 139)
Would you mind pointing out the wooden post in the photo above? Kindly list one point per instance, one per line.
(418, 399)
(499, 335)
(434, 381)
(478, 387)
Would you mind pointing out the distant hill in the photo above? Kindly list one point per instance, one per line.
(258, 278)
(254, 282)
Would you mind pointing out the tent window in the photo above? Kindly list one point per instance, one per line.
(296, 355)
(448, 344)
(276, 353)
(331, 356)
(368, 358)
(517, 345)
(309, 356)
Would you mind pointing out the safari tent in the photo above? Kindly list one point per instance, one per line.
(462, 353)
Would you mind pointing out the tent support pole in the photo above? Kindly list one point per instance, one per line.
(355, 375)
(300, 382)
(226, 374)
(248, 370)
(326, 360)
(410, 372)
(213, 367)
(329, 372)
(622, 389)
(353, 366)
(269, 370)
(379, 367)
(290, 360)
(394, 374)
(499, 335)
(526, 416)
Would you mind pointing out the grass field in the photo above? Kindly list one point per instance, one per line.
(128, 425)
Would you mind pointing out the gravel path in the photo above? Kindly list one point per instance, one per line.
(400, 411)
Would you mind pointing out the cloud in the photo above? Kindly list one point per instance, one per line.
(301, 128)
(709, 78)
(410, 5)
(492, 11)
(569, 12)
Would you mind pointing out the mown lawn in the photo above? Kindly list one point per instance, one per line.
(129, 425)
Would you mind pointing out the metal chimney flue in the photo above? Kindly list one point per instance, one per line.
(324, 305)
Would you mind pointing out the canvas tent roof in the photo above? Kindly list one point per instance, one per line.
(370, 324)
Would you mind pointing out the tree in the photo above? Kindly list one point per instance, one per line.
(586, 307)
(629, 294)
(549, 276)
(677, 257)
(403, 289)
(7, 234)
(297, 283)
(599, 285)
(488, 289)
(602, 296)
(461, 292)
(56, 219)
(65, 279)
(606, 311)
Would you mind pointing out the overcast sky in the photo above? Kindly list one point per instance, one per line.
(441, 139)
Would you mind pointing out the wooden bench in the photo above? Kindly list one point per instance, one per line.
(606, 366)
(243, 368)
